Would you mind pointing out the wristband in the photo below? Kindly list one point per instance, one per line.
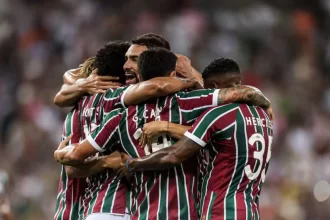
(127, 164)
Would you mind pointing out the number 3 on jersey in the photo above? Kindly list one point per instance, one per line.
(259, 155)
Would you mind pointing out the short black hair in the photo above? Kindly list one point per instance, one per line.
(150, 41)
(110, 59)
(156, 62)
(160, 37)
(221, 66)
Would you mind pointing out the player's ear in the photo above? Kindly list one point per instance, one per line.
(173, 74)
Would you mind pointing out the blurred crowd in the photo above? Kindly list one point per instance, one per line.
(282, 46)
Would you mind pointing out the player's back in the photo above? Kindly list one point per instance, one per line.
(235, 160)
(105, 193)
(70, 190)
(157, 195)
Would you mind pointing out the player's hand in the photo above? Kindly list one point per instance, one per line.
(113, 161)
(271, 113)
(186, 70)
(64, 142)
(152, 130)
(123, 171)
(183, 66)
(94, 84)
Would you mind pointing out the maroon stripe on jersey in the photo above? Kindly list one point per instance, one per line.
(101, 193)
(172, 198)
(59, 209)
(120, 199)
(87, 200)
(73, 190)
(75, 128)
(68, 198)
(241, 197)
(256, 186)
(154, 196)
(220, 187)
(186, 104)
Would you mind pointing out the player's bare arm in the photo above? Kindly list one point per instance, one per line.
(74, 154)
(163, 159)
(157, 128)
(93, 165)
(243, 94)
(157, 87)
(76, 86)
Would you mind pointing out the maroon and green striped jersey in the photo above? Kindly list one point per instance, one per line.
(70, 190)
(157, 195)
(105, 192)
(236, 148)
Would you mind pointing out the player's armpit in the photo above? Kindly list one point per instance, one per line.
(243, 94)
(156, 87)
(167, 157)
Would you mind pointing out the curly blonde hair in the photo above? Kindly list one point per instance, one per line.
(87, 67)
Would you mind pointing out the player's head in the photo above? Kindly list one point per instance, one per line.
(87, 67)
(160, 37)
(222, 73)
(139, 44)
(156, 62)
(109, 60)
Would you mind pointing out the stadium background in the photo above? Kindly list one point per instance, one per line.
(282, 46)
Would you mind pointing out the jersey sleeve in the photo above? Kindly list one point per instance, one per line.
(214, 122)
(106, 135)
(113, 99)
(193, 104)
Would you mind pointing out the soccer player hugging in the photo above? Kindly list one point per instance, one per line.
(178, 145)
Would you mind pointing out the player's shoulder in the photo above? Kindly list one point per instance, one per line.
(224, 108)
(195, 93)
(115, 92)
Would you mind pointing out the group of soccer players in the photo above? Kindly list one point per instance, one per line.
(151, 138)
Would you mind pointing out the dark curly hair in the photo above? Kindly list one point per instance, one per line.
(150, 41)
(110, 59)
(160, 37)
(220, 66)
(156, 62)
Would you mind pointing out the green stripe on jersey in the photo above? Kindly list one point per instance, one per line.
(163, 196)
(210, 118)
(182, 192)
(259, 130)
(75, 213)
(209, 210)
(108, 200)
(144, 207)
(205, 180)
(241, 152)
(68, 128)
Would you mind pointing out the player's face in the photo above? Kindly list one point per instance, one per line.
(222, 81)
(130, 67)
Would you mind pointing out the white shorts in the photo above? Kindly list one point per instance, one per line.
(108, 216)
